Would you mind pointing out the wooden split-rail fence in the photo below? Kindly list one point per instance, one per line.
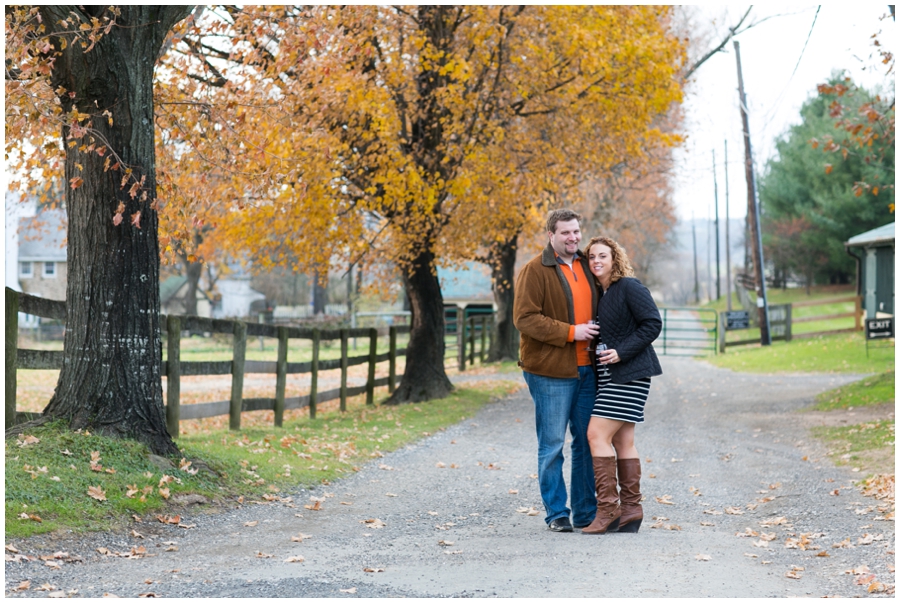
(173, 368)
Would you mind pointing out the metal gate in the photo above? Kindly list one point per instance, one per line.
(688, 332)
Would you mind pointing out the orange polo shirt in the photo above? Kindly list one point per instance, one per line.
(581, 296)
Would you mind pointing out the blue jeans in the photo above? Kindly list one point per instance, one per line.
(561, 403)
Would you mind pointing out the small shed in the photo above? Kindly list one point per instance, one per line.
(874, 253)
(466, 290)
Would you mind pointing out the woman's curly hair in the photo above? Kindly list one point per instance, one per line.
(621, 266)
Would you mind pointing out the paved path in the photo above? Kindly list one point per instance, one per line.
(451, 505)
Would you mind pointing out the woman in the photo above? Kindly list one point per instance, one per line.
(625, 361)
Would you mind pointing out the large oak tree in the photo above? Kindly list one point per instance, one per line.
(80, 90)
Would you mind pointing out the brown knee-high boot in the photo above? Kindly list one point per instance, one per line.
(630, 483)
(607, 519)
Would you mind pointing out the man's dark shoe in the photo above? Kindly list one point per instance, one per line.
(560, 524)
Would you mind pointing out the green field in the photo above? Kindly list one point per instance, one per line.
(840, 353)
(866, 392)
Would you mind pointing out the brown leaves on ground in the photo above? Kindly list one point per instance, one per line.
(373, 570)
(134, 553)
(97, 493)
(879, 486)
(295, 559)
(300, 537)
(376, 524)
(26, 440)
(804, 542)
(665, 499)
(530, 511)
(660, 523)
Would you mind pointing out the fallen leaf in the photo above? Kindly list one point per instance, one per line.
(445, 543)
(734, 511)
(513, 491)
(822, 554)
(23, 585)
(262, 555)
(351, 591)
(707, 523)
(375, 523)
(751, 555)
(136, 534)
(701, 557)
(164, 492)
(390, 494)
(373, 570)
(440, 465)
(665, 499)
(300, 537)
(794, 575)
(314, 507)
(295, 559)
(251, 524)
(774, 522)
(97, 493)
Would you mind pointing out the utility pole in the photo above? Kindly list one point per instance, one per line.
(716, 192)
(727, 239)
(765, 336)
(709, 287)
(696, 276)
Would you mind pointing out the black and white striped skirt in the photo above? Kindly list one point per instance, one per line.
(620, 401)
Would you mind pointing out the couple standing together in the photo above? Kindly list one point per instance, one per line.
(586, 327)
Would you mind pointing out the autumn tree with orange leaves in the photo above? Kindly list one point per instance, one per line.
(407, 136)
(79, 98)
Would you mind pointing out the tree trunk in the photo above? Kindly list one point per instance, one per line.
(110, 382)
(424, 377)
(505, 342)
(319, 294)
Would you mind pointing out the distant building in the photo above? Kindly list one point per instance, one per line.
(874, 253)
(466, 289)
(41, 266)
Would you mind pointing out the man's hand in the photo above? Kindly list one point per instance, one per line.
(586, 332)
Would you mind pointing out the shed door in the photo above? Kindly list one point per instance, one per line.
(884, 287)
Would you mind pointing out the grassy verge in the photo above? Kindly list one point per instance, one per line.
(58, 479)
(841, 353)
(868, 447)
(871, 390)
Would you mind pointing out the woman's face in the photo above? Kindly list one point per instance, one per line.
(600, 260)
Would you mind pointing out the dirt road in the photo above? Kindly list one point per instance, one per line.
(725, 453)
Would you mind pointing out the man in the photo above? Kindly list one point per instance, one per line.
(555, 298)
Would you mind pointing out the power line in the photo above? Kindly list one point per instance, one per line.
(770, 114)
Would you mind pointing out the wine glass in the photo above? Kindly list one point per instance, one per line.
(601, 347)
(590, 322)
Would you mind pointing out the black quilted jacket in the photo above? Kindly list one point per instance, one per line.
(629, 323)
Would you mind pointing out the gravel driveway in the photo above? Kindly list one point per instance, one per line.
(449, 516)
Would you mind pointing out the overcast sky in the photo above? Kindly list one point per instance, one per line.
(770, 52)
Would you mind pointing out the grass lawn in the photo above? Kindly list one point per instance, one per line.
(871, 390)
(840, 353)
(868, 447)
(58, 479)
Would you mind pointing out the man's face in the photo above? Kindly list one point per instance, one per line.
(566, 239)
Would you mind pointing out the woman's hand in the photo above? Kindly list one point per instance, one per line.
(608, 357)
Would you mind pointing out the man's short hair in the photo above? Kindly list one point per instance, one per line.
(560, 215)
